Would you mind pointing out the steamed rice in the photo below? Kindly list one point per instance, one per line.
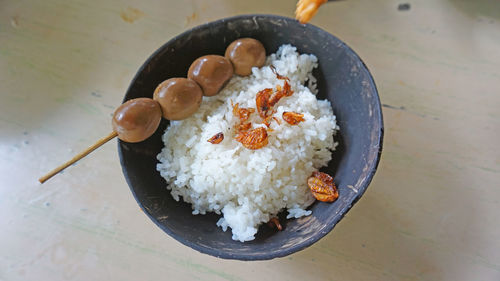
(249, 187)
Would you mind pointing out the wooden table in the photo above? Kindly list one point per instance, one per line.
(431, 213)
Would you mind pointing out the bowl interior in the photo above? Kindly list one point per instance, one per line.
(342, 78)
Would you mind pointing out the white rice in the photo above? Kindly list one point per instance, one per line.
(248, 187)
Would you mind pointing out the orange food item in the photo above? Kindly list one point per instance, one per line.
(242, 113)
(268, 119)
(243, 127)
(322, 187)
(266, 99)
(262, 102)
(286, 91)
(293, 118)
(274, 222)
(217, 138)
(306, 9)
(253, 139)
(277, 96)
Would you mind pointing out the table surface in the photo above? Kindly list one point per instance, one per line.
(431, 212)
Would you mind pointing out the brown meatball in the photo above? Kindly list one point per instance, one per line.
(179, 98)
(136, 119)
(211, 72)
(246, 53)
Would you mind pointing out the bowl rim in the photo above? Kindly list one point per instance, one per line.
(329, 225)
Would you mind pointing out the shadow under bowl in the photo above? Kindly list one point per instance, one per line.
(343, 79)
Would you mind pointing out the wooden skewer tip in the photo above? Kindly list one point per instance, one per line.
(78, 157)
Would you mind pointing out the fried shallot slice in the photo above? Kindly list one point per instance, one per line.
(217, 138)
(293, 118)
(262, 102)
(286, 91)
(243, 127)
(242, 113)
(274, 222)
(253, 139)
(322, 187)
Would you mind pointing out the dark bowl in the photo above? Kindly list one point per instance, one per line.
(342, 78)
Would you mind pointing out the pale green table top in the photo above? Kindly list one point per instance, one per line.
(431, 213)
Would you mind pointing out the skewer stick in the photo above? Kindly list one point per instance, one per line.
(78, 157)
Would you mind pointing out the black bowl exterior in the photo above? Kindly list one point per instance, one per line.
(342, 78)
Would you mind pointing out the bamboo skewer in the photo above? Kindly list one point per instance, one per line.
(78, 157)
